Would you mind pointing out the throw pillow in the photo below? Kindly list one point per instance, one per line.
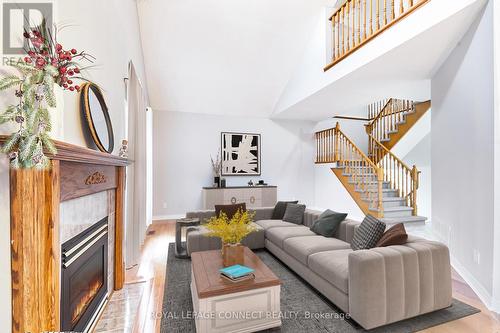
(294, 213)
(279, 209)
(327, 223)
(230, 210)
(368, 233)
(396, 235)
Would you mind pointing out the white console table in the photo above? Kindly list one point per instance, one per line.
(253, 196)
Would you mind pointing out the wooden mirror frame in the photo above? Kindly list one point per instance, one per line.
(85, 109)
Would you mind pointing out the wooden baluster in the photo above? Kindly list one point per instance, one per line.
(338, 33)
(324, 147)
(347, 25)
(333, 38)
(317, 150)
(353, 23)
(377, 26)
(411, 3)
(401, 7)
(359, 21)
(320, 145)
(371, 17)
(392, 11)
(364, 20)
(385, 12)
(380, 177)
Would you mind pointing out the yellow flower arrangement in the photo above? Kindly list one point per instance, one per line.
(231, 231)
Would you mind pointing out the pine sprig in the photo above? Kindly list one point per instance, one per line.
(11, 142)
(9, 81)
(48, 89)
(9, 114)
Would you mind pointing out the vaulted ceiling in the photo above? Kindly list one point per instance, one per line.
(224, 56)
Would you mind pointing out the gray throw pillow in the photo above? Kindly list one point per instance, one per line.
(327, 223)
(279, 209)
(294, 213)
(368, 233)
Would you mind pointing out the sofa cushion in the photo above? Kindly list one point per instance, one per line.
(294, 213)
(332, 266)
(279, 235)
(266, 224)
(396, 235)
(280, 208)
(368, 234)
(302, 247)
(328, 223)
(230, 210)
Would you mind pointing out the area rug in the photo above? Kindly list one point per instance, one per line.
(304, 309)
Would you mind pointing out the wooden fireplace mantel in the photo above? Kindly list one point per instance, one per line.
(35, 197)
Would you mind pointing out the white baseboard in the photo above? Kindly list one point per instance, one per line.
(475, 285)
(485, 297)
(168, 217)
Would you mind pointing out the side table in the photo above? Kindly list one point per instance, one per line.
(181, 251)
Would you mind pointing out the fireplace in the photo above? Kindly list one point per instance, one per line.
(84, 276)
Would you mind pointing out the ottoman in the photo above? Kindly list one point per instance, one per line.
(198, 241)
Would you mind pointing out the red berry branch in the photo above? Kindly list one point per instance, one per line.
(43, 50)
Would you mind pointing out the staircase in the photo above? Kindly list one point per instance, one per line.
(379, 182)
(392, 119)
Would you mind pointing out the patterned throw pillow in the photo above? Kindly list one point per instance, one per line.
(368, 233)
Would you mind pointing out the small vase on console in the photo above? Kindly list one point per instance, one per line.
(216, 181)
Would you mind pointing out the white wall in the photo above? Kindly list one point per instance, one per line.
(420, 156)
(414, 148)
(184, 142)
(108, 30)
(462, 154)
(380, 69)
(331, 194)
(496, 271)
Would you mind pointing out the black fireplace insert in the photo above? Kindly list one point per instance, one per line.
(84, 278)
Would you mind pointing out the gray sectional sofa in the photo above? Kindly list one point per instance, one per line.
(375, 287)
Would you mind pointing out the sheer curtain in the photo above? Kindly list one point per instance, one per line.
(139, 174)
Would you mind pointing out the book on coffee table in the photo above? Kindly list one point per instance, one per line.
(237, 273)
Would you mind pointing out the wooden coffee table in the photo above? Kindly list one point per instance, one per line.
(224, 306)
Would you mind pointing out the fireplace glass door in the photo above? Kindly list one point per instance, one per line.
(84, 277)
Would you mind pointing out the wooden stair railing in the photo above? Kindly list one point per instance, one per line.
(386, 119)
(400, 176)
(359, 175)
(357, 22)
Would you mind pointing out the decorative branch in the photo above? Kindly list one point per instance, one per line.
(216, 165)
(45, 65)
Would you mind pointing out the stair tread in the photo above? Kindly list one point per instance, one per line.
(389, 199)
(405, 219)
(383, 190)
(397, 209)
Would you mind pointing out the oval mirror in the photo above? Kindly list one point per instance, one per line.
(97, 117)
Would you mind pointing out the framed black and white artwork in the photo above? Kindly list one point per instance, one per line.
(240, 154)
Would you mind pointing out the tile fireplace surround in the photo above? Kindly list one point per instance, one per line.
(47, 209)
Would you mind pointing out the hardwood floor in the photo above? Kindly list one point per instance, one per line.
(152, 268)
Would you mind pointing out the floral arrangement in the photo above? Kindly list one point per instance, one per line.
(231, 231)
(216, 165)
(46, 63)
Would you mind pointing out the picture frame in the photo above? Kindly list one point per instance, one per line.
(240, 154)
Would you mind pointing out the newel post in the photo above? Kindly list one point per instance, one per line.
(336, 142)
(414, 176)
